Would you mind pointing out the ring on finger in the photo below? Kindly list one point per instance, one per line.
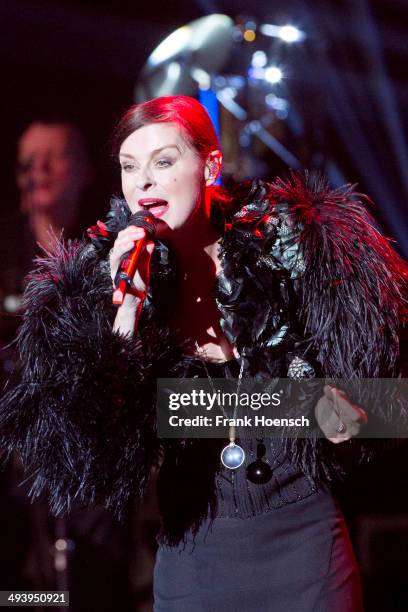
(341, 427)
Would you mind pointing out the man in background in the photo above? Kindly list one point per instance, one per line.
(86, 552)
(53, 176)
(53, 170)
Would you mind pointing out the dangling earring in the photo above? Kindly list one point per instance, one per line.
(212, 171)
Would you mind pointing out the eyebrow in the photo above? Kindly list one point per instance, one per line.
(174, 146)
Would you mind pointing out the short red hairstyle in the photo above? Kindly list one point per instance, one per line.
(182, 110)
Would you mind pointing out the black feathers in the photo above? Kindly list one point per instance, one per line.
(81, 417)
(304, 273)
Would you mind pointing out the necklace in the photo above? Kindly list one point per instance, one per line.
(233, 455)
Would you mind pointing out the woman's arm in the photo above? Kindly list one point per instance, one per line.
(127, 318)
(83, 415)
(352, 292)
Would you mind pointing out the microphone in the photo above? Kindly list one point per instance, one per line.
(128, 265)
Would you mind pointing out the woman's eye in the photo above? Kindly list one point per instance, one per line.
(163, 163)
(127, 167)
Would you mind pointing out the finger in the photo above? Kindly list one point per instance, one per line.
(134, 232)
(125, 243)
(344, 407)
(339, 439)
(124, 247)
(328, 420)
(117, 255)
(349, 411)
(357, 414)
(326, 417)
(121, 241)
(328, 391)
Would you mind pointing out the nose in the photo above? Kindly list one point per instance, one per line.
(41, 165)
(145, 180)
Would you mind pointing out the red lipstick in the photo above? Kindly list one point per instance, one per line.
(156, 206)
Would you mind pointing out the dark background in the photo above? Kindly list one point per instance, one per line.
(349, 83)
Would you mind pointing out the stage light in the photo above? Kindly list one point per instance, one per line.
(226, 98)
(170, 46)
(259, 59)
(61, 544)
(279, 104)
(173, 72)
(209, 26)
(201, 77)
(231, 92)
(287, 33)
(273, 74)
(256, 73)
(249, 35)
(290, 34)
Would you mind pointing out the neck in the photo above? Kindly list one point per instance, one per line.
(196, 246)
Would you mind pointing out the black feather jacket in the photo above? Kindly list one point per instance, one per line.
(304, 273)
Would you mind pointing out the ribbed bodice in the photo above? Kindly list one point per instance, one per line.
(240, 498)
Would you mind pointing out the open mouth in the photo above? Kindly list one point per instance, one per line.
(155, 206)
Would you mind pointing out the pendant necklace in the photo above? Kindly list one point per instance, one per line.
(233, 455)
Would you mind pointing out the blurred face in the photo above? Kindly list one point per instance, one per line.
(162, 174)
(52, 169)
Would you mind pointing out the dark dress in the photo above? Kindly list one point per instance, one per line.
(297, 557)
(305, 277)
(274, 547)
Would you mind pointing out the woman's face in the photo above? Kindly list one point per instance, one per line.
(161, 173)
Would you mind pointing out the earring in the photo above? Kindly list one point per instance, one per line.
(212, 171)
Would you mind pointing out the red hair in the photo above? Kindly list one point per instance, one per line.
(187, 112)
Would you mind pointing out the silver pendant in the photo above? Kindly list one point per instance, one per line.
(232, 456)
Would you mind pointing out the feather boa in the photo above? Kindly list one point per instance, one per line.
(304, 272)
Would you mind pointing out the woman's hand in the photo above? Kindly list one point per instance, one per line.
(337, 416)
(129, 311)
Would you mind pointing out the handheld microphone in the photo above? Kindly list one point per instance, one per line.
(128, 265)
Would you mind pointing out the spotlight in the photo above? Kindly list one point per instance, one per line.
(290, 34)
(287, 33)
(201, 77)
(273, 74)
(256, 73)
(279, 104)
(170, 46)
(259, 59)
(173, 71)
(249, 35)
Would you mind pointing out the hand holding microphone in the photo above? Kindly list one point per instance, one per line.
(130, 273)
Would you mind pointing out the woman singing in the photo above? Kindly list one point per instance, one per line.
(284, 279)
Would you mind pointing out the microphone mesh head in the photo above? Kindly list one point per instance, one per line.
(142, 218)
